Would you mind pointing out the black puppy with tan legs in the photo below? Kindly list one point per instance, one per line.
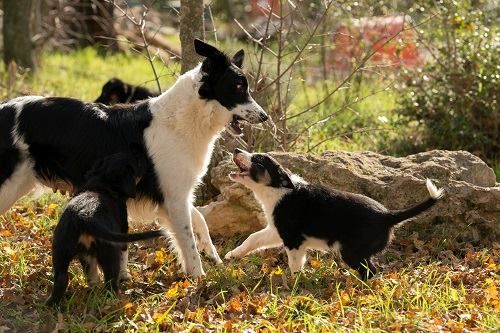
(94, 225)
(303, 216)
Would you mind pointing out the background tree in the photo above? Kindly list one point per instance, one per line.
(95, 24)
(16, 33)
(191, 27)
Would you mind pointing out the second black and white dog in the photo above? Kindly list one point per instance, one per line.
(94, 225)
(302, 216)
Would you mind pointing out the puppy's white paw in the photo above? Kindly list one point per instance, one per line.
(125, 276)
(231, 255)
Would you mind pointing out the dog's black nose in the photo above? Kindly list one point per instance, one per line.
(263, 117)
(238, 151)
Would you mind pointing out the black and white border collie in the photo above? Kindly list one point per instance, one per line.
(56, 140)
(302, 216)
(94, 223)
(115, 91)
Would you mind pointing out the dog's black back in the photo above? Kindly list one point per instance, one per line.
(115, 91)
(95, 219)
(70, 151)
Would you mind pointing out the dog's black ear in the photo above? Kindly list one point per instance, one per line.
(238, 58)
(285, 178)
(125, 180)
(204, 49)
(127, 186)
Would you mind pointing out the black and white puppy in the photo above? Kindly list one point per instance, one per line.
(115, 91)
(94, 225)
(303, 216)
(56, 140)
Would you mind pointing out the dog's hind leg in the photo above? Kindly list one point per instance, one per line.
(60, 262)
(18, 184)
(204, 241)
(108, 257)
(363, 266)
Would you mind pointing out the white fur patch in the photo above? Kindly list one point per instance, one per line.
(19, 104)
(250, 111)
(434, 192)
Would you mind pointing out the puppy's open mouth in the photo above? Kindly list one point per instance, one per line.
(234, 126)
(243, 169)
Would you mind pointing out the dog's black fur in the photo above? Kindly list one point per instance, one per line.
(359, 225)
(115, 91)
(94, 223)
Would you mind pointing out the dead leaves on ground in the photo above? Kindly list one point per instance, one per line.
(420, 289)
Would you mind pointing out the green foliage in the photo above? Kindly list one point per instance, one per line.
(359, 117)
(455, 97)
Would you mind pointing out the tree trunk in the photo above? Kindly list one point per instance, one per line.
(95, 24)
(191, 27)
(16, 33)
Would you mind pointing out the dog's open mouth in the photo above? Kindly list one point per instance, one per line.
(243, 169)
(234, 126)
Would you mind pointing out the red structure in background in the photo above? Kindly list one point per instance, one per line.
(353, 41)
(257, 7)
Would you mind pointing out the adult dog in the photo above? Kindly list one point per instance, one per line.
(56, 140)
(116, 91)
(303, 216)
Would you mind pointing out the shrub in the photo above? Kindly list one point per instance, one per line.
(455, 96)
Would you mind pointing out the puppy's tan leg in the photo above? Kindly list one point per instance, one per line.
(264, 238)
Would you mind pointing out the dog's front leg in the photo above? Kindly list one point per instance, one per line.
(264, 238)
(204, 241)
(177, 217)
(124, 275)
(296, 259)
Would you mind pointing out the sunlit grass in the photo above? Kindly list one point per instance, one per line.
(257, 292)
(81, 74)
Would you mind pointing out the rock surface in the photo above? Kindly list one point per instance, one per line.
(470, 212)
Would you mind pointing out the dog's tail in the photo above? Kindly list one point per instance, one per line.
(101, 232)
(397, 216)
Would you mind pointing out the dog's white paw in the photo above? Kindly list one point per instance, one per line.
(231, 255)
(217, 260)
(125, 276)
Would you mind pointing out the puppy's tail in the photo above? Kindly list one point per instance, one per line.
(99, 231)
(397, 216)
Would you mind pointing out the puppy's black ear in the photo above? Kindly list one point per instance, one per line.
(238, 58)
(285, 178)
(96, 169)
(127, 187)
(204, 49)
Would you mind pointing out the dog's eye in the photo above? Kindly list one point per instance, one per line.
(240, 87)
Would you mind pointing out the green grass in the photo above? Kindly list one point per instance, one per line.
(357, 117)
(414, 292)
(81, 74)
